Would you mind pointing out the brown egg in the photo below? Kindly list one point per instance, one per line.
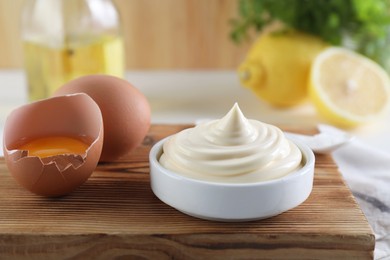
(73, 117)
(125, 110)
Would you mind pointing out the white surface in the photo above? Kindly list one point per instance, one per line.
(188, 96)
(231, 202)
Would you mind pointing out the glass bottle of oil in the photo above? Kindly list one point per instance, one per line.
(66, 39)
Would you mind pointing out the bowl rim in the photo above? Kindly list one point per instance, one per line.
(307, 155)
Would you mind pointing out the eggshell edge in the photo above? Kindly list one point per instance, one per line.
(41, 176)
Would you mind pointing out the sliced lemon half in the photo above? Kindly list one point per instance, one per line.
(347, 88)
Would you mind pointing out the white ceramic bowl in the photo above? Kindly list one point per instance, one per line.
(227, 201)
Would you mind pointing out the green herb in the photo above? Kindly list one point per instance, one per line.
(362, 25)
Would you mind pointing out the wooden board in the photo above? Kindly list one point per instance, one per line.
(115, 214)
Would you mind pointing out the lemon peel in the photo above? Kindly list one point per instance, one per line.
(277, 67)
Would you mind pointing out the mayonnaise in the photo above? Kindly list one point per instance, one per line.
(231, 150)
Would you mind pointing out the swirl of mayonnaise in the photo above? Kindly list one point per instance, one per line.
(231, 150)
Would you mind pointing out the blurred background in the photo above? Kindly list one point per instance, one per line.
(169, 34)
(269, 47)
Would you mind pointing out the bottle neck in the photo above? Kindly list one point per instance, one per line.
(60, 22)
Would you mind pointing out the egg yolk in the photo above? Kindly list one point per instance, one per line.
(54, 145)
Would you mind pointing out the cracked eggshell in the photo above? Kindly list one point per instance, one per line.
(71, 115)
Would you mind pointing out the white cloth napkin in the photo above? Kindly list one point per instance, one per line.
(367, 172)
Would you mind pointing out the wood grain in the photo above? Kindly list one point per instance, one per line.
(169, 34)
(115, 214)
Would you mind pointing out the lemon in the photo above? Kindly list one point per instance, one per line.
(277, 66)
(347, 88)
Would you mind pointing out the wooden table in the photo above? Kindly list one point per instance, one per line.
(115, 214)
